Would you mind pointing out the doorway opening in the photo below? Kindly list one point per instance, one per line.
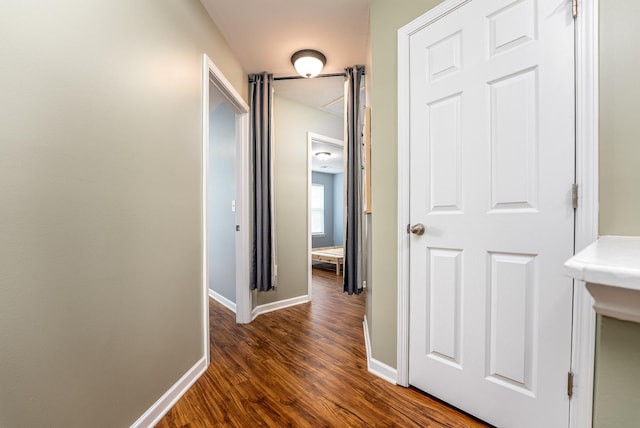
(326, 204)
(221, 200)
(225, 191)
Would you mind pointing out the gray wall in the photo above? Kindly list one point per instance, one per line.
(617, 363)
(222, 190)
(619, 124)
(327, 181)
(338, 209)
(386, 17)
(100, 219)
(368, 217)
(292, 122)
(617, 402)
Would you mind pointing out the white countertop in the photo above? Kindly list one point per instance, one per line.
(611, 260)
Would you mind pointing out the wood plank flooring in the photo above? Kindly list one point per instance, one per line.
(303, 366)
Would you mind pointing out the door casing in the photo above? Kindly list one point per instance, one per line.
(211, 75)
(586, 217)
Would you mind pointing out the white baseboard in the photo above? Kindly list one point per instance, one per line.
(160, 408)
(374, 366)
(269, 307)
(222, 300)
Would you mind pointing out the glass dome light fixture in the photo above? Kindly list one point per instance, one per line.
(323, 156)
(308, 62)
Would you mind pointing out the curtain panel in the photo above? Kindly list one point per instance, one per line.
(353, 242)
(263, 254)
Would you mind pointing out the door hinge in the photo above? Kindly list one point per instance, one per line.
(575, 8)
(570, 384)
(574, 196)
(408, 228)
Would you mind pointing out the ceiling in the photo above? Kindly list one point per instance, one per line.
(263, 34)
(326, 93)
(333, 165)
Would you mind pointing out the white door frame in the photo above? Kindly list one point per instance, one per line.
(586, 225)
(212, 75)
(319, 138)
(586, 220)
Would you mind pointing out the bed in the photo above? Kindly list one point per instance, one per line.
(333, 255)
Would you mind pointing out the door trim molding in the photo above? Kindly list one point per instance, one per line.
(586, 227)
(309, 236)
(586, 222)
(211, 75)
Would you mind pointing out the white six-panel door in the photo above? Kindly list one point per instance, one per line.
(491, 169)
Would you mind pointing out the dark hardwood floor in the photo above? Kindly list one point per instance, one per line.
(303, 366)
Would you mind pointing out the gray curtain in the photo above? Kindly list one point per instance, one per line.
(353, 176)
(263, 277)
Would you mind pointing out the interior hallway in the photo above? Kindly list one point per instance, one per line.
(303, 366)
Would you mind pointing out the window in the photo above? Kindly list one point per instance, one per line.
(317, 209)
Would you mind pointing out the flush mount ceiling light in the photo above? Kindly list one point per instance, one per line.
(323, 155)
(308, 62)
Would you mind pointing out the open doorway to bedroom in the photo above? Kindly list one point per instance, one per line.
(326, 158)
(326, 204)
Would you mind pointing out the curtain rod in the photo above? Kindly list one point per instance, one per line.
(301, 77)
(361, 71)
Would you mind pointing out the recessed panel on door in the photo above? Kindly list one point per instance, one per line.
(444, 57)
(512, 26)
(514, 142)
(513, 316)
(445, 288)
(445, 154)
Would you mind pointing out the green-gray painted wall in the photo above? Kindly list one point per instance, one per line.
(100, 219)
